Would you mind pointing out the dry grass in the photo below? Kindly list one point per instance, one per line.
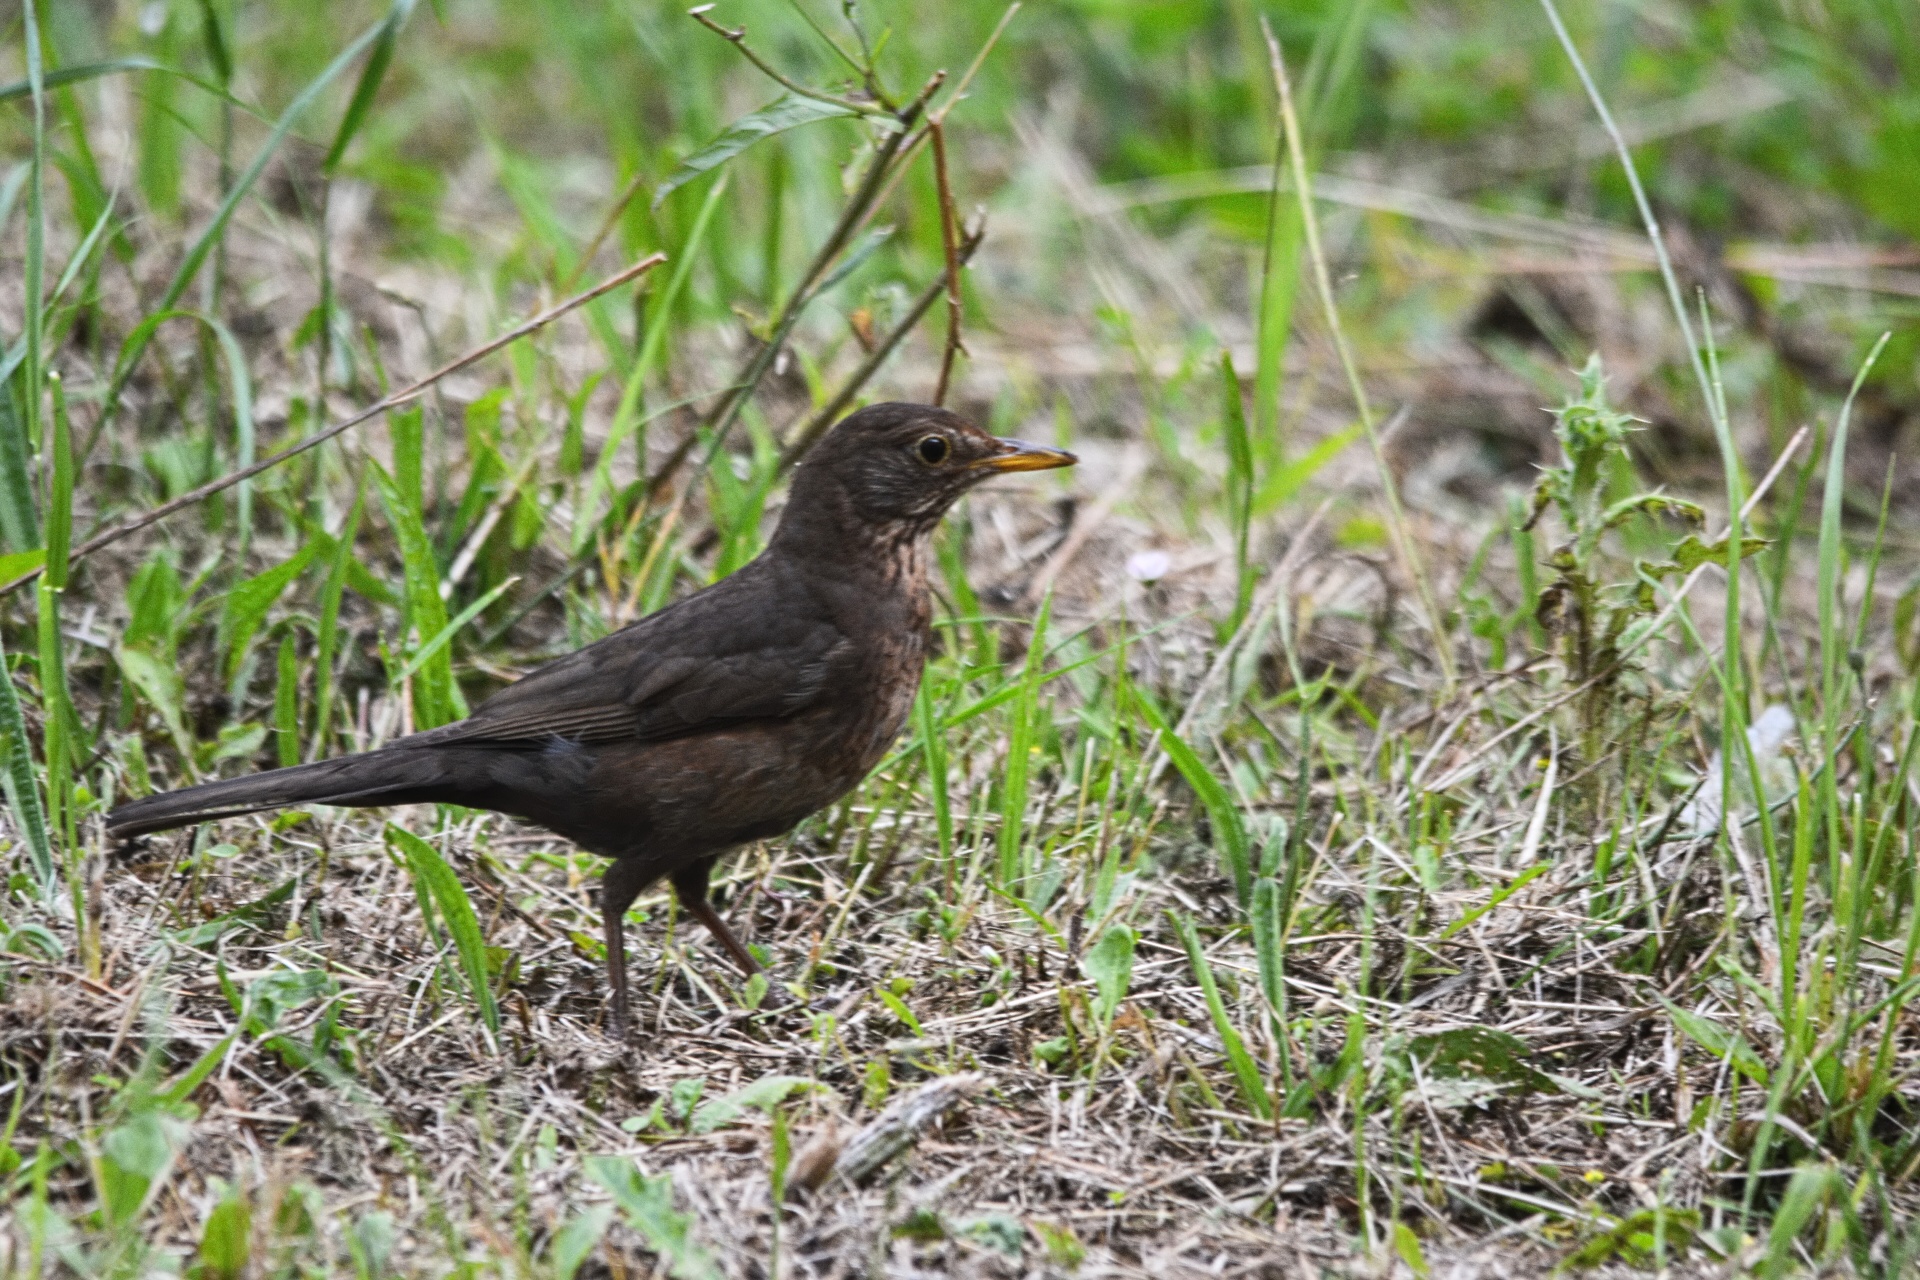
(1535, 1015)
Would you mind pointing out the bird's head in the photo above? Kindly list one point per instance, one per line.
(900, 466)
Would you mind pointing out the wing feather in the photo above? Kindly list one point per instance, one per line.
(737, 652)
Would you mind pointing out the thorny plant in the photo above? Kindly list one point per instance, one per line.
(1589, 605)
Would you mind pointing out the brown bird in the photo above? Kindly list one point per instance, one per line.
(725, 718)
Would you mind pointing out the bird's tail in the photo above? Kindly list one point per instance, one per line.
(377, 777)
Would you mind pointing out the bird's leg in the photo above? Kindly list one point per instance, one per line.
(618, 888)
(690, 885)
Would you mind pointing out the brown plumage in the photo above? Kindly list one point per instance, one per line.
(724, 718)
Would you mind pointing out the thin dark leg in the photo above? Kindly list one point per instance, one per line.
(690, 885)
(618, 888)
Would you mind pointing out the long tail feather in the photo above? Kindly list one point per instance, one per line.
(361, 779)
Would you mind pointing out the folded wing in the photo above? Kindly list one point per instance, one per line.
(716, 659)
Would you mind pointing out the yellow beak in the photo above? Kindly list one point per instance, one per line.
(1018, 455)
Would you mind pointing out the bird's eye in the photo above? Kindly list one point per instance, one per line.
(933, 450)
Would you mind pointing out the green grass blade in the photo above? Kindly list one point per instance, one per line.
(1833, 643)
(286, 703)
(19, 513)
(246, 606)
(94, 70)
(203, 245)
(436, 698)
(59, 534)
(431, 649)
(1807, 1192)
(1269, 939)
(1287, 478)
(240, 383)
(327, 634)
(368, 85)
(1020, 743)
(1229, 829)
(22, 783)
(933, 745)
(456, 910)
(34, 302)
(626, 414)
(1246, 1073)
(1239, 487)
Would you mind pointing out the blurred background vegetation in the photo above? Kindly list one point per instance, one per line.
(1287, 802)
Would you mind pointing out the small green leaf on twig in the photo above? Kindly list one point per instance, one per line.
(789, 111)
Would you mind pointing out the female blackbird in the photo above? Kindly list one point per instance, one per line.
(722, 719)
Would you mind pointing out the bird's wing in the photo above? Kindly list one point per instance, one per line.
(719, 657)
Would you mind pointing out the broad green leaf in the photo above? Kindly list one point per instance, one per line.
(156, 605)
(1407, 1245)
(1110, 965)
(226, 1239)
(1718, 1041)
(134, 1157)
(371, 1243)
(648, 1206)
(247, 604)
(789, 111)
(1481, 1051)
(1691, 552)
(160, 683)
(762, 1095)
(574, 1242)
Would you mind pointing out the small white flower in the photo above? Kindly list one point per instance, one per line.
(1148, 566)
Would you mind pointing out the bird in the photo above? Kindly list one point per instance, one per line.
(727, 717)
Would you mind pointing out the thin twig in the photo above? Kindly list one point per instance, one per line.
(738, 39)
(973, 68)
(954, 99)
(721, 418)
(950, 246)
(633, 186)
(815, 426)
(136, 523)
(827, 414)
(826, 39)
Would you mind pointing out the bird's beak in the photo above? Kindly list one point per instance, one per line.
(1018, 455)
